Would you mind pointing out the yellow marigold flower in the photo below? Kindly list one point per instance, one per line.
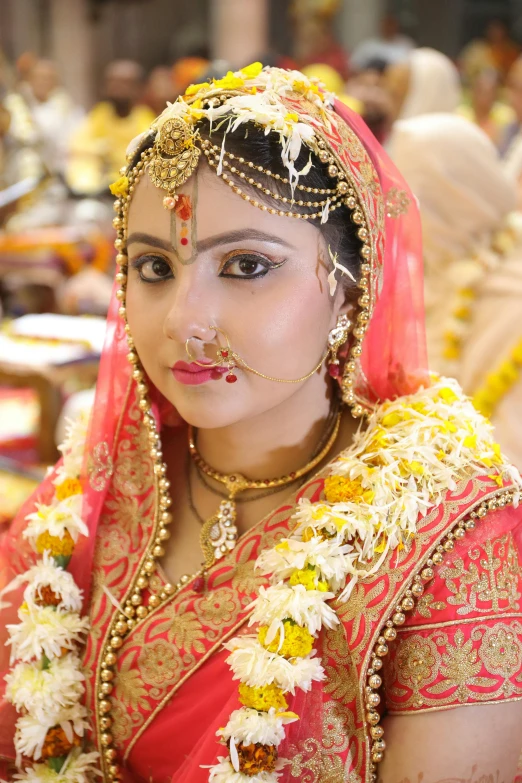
(67, 489)
(120, 187)
(291, 116)
(338, 489)
(54, 544)
(252, 70)
(298, 641)
(262, 698)
(195, 88)
(308, 577)
(447, 394)
(470, 441)
(308, 534)
(463, 313)
(517, 353)
(229, 82)
(319, 512)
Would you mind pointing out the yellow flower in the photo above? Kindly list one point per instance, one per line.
(252, 70)
(195, 88)
(229, 82)
(262, 698)
(497, 478)
(470, 441)
(517, 353)
(68, 488)
(338, 489)
(291, 116)
(120, 187)
(298, 641)
(463, 313)
(447, 394)
(396, 417)
(308, 534)
(55, 545)
(308, 577)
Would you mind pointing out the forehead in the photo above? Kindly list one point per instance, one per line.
(218, 210)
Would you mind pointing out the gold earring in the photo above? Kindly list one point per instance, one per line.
(336, 338)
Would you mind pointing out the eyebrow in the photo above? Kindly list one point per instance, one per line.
(226, 238)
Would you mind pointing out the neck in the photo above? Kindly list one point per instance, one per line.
(276, 441)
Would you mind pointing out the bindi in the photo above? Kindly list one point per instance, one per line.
(183, 227)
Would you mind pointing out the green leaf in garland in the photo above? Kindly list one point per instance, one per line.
(45, 662)
(62, 560)
(56, 763)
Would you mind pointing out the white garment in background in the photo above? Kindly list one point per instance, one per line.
(434, 84)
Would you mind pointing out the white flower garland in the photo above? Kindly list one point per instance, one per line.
(413, 451)
(46, 682)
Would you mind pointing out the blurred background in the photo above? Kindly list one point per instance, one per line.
(80, 78)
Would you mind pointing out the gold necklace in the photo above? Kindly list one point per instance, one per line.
(219, 533)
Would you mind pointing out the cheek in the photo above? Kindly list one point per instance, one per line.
(291, 321)
(145, 318)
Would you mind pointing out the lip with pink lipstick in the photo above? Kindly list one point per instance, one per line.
(194, 374)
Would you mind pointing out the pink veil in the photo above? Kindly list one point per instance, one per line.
(393, 362)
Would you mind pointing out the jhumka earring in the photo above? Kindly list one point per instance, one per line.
(336, 338)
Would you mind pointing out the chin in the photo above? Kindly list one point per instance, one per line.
(207, 409)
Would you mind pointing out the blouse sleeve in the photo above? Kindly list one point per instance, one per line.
(463, 642)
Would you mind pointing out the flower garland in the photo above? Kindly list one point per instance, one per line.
(499, 382)
(46, 682)
(414, 450)
(473, 271)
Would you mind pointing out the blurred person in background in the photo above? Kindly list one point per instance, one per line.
(188, 70)
(484, 107)
(511, 143)
(159, 89)
(425, 83)
(472, 235)
(314, 35)
(495, 50)
(54, 113)
(100, 142)
(389, 47)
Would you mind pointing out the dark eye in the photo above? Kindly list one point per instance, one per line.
(246, 265)
(152, 269)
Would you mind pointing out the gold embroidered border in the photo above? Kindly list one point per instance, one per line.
(463, 621)
(478, 502)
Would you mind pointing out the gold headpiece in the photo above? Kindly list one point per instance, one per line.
(175, 156)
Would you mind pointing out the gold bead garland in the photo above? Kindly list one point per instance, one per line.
(406, 604)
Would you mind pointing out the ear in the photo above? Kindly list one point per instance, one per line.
(344, 302)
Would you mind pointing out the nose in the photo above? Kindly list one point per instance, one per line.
(190, 315)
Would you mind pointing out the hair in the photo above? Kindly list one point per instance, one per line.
(264, 149)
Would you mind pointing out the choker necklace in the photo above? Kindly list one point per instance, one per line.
(219, 533)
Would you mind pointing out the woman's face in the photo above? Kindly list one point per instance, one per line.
(260, 278)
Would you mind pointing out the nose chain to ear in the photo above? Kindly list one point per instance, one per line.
(227, 357)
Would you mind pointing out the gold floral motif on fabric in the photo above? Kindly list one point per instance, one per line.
(397, 203)
(460, 663)
(100, 466)
(488, 582)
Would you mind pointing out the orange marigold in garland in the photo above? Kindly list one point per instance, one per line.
(47, 597)
(256, 758)
(338, 489)
(56, 743)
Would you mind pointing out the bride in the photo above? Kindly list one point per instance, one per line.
(279, 549)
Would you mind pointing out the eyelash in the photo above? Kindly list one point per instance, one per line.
(139, 263)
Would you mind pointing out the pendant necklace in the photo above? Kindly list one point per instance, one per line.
(219, 533)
